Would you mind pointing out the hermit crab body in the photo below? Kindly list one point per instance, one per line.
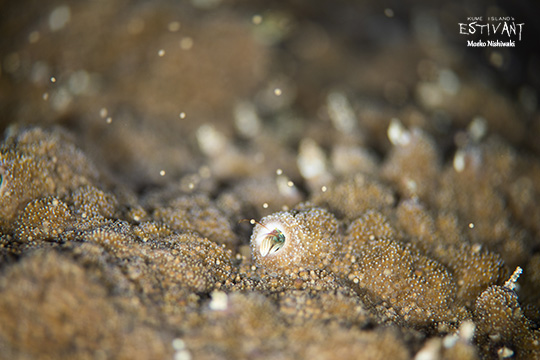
(294, 240)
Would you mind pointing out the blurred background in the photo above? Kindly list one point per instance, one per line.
(155, 90)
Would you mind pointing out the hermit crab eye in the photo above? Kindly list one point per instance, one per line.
(272, 242)
(2, 181)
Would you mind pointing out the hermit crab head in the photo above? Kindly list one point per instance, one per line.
(271, 238)
(293, 240)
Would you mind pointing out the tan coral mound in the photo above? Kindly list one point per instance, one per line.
(234, 180)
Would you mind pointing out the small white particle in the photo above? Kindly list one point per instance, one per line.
(290, 183)
(182, 355)
(397, 134)
(466, 330)
(277, 92)
(161, 52)
(430, 351)
(191, 186)
(162, 173)
(53, 79)
(450, 340)
(182, 115)
(471, 225)
(252, 221)
(279, 172)
(178, 344)
(265, 205)
(324, 188)
(477, 128)
(459, 161)
(103, 112)
(45, 96)
(505, 353)
(108, 120)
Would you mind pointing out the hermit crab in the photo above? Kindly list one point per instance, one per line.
(295, 239)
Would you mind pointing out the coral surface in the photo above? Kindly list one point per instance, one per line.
(229, 179)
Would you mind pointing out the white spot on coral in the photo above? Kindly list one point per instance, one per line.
(341, 112)
(430, 351)
(477, 128)
(246, 120)
(178, 344)
(59, 17)
(219, 301)
(397, 134)
(466, 330)
(459, 161)
(311, 159)
(211, 141)
(505, 353)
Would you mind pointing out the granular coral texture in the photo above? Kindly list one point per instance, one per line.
(502, 327)
(239, 180)
(414, 165)
(42, 219)
(420, 290)
(67, 312)
(305, 239)
(197, 213)
(351, 198)
(34, 164)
